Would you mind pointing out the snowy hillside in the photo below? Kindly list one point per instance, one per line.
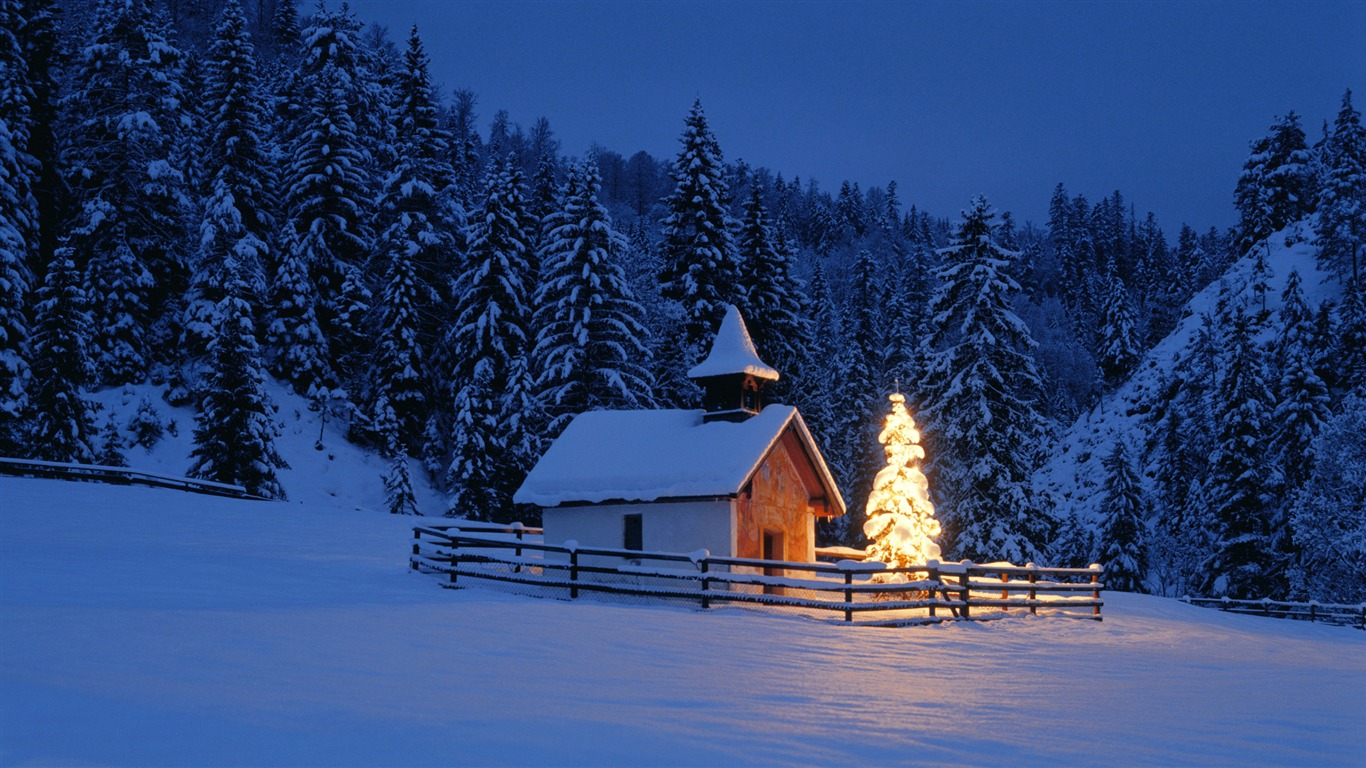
(152, 627)
(339, 474)
(1074, 475)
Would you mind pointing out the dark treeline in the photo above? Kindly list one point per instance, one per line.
(199, 194)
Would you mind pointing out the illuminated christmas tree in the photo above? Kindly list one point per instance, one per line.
(900, 518)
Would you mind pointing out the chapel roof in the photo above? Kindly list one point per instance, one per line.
(641, 456)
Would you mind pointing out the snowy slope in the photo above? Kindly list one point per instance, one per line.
(340, 474)
(151, 627)
(1074, 475)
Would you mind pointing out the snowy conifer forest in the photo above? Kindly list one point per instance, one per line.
(233, 198)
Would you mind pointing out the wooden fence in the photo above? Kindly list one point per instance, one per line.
(878, 595)
(119, 476)
(1331, 613)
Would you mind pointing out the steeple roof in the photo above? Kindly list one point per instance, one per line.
(733, 352)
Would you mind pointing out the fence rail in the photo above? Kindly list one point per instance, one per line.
(119, 476)
(1330, 613)
(877, 595)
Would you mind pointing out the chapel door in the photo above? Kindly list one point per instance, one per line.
(773, 550)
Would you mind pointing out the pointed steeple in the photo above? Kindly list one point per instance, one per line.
(732, 374)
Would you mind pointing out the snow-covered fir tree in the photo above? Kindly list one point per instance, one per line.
(398, 479)
(1235, 491)
(1329, 513)
(900, 523)
(1117, 349)
(772, 295)
(130, 231)
(298, 351)
(234, 434)
(62, 426)
(1341, 201)
(1124, 532)
(15, 277)
(398, 377)
(1276, 185)
(590, 349)
(236, 164)
(490, 345)
(1302, 400)
(700, 272)
(329, 188)
(111, 445)
(419, 249)
(982, 390)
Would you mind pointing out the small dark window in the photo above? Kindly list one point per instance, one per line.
(633, 536)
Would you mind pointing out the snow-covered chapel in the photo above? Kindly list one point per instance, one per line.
(738, 478)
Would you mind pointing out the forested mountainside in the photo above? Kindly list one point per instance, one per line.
(199, 195)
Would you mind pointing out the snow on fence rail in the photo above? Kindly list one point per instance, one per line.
(119, 476)
(935, 592)
(1331, 613)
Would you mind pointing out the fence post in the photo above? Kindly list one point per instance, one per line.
(517, 529)
(573, 573)
(455, 556)
(1005, 593)
(1033, 593)
(966, 593)
(706, 583)
(1095, 588)
(848, 595)
(932, 576)
(417, 546)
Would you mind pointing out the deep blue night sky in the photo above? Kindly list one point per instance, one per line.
(1157, 99)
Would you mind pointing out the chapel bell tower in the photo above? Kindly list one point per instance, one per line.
(732, 376)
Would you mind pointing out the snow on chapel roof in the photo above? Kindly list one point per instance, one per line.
(651, 455)
(733, 352)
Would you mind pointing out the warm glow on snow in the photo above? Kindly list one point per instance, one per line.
(900, 518)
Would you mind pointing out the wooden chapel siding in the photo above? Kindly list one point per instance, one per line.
(777, 500)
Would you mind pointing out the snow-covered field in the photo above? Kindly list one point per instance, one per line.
(144, 626)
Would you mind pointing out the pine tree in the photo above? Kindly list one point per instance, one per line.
(1275, 188)
(1124, 535)
(298, 349)
(398, 481)
(418, 246)
(699, 254)
(1342, 196)
(399, 377)
(772, 303)
(900, 520)
(62, 426)
(489, 344)
(1241, 564)
(1349, 362)
(234, 436)
(111, 445)
(329, 186)
(15, 278)
(982, 390)
(1329, 514)
(1117, 350)
(1302, 401)
(130, 232)
(590, 350)
(238, 175)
